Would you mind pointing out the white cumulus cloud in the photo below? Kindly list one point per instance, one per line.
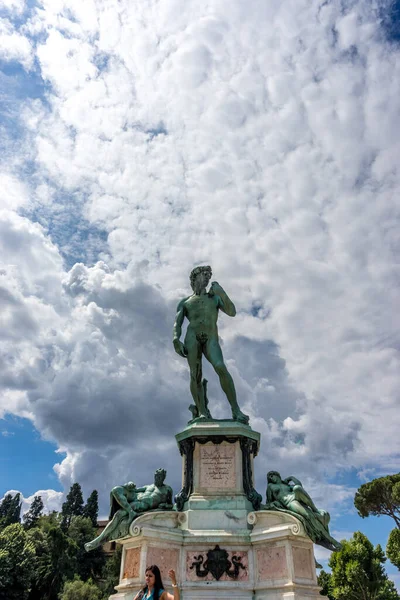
(262, 140)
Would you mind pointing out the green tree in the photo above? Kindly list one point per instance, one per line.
(5, 505)
(91, 508)
(41, 563)
(324, 581)
(31, 517)
(111, 573)
(73, 505)
(10, 510)
(87, 564)
(393, 547)
(387, 591)
(17, 555)
(378, 497)
(80, 590)
(358, 572)
(58, 560)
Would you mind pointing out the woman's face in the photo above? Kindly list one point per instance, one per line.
(150, 579)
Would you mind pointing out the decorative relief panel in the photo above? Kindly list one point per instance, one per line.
(199, 558)
(272, 563)
(218, 466)
(132, 563)
(303, 562)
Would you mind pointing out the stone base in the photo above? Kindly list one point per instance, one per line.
(218, 467)
(276, 558)
(218, 542)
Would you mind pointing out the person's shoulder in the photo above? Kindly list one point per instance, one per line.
(183, 302)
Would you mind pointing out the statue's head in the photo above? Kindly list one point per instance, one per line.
(130, 486)
(159, 477)
(203, 272)
(273, 477)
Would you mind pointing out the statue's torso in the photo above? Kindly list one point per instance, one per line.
(282, 492)
(202, 313)
(153, 496)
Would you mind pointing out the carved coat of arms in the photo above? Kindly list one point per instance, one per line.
(217, 563)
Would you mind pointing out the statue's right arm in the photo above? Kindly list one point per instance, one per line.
(180, 316)
(294, 479)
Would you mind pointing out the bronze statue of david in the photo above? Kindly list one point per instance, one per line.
(201, 310)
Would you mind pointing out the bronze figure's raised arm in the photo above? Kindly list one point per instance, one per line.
(201, 310)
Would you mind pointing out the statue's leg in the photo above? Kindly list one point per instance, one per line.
(296, 507)
(213, 354)
(302, 506)
(302, 496)
(107, 533)
(194, 356)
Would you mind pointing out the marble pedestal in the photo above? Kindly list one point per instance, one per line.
(216, 518)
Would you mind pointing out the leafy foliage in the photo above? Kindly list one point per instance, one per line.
(17, 555)
(380, 496)
(10, 510)
(42, 557)
(393, 547)
(387, 591)
(80, 590)
(41, 563)
(88, 564)
(35, 511)
(111, 573)
(58, 561)
(358, 572)
(73, 505)
(324, 581)
(91, 508)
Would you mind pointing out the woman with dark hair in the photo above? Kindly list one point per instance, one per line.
(154, 588)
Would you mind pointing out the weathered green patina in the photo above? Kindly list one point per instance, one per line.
(288, 495)
(201, 310)
(128, 501)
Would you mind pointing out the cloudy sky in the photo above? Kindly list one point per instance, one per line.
(141, 138)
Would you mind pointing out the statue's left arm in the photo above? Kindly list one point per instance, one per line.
(224, 303)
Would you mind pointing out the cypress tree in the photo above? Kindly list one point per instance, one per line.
(10, 510)
(73, 505)
(31, 517)
(91, 508)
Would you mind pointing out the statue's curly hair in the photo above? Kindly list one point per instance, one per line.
(197, 270)
(162, 472)
(271, 473)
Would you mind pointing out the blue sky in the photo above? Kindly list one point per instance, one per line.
(26, 460)
(137, 143)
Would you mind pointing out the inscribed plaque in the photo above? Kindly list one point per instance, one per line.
(217, 466)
